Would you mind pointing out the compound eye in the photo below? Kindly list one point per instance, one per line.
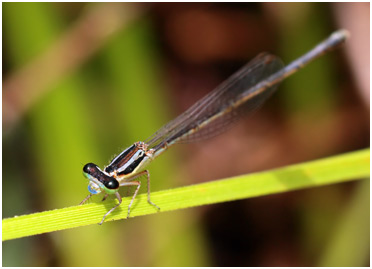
(112, 184)
(109, 169)
(90, 168)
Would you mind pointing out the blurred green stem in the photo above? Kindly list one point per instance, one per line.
(349, 243)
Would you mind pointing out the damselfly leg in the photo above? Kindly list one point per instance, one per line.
(129, 182)
(86, 199)
(112, 209)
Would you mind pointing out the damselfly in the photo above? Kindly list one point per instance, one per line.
(242, 93)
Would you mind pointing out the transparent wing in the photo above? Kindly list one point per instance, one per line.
(220, 108)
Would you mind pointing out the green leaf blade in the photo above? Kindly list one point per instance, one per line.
(341, 168)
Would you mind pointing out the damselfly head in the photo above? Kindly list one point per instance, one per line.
(99, 180)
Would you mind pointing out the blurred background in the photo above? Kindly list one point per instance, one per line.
(82, 81)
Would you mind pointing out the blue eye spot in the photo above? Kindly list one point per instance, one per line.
(93, 188)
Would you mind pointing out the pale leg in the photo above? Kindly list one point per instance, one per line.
(104, 198)
(146, 172)
(86, 199)
(112, 209)
(135, 193)
(148, 189)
